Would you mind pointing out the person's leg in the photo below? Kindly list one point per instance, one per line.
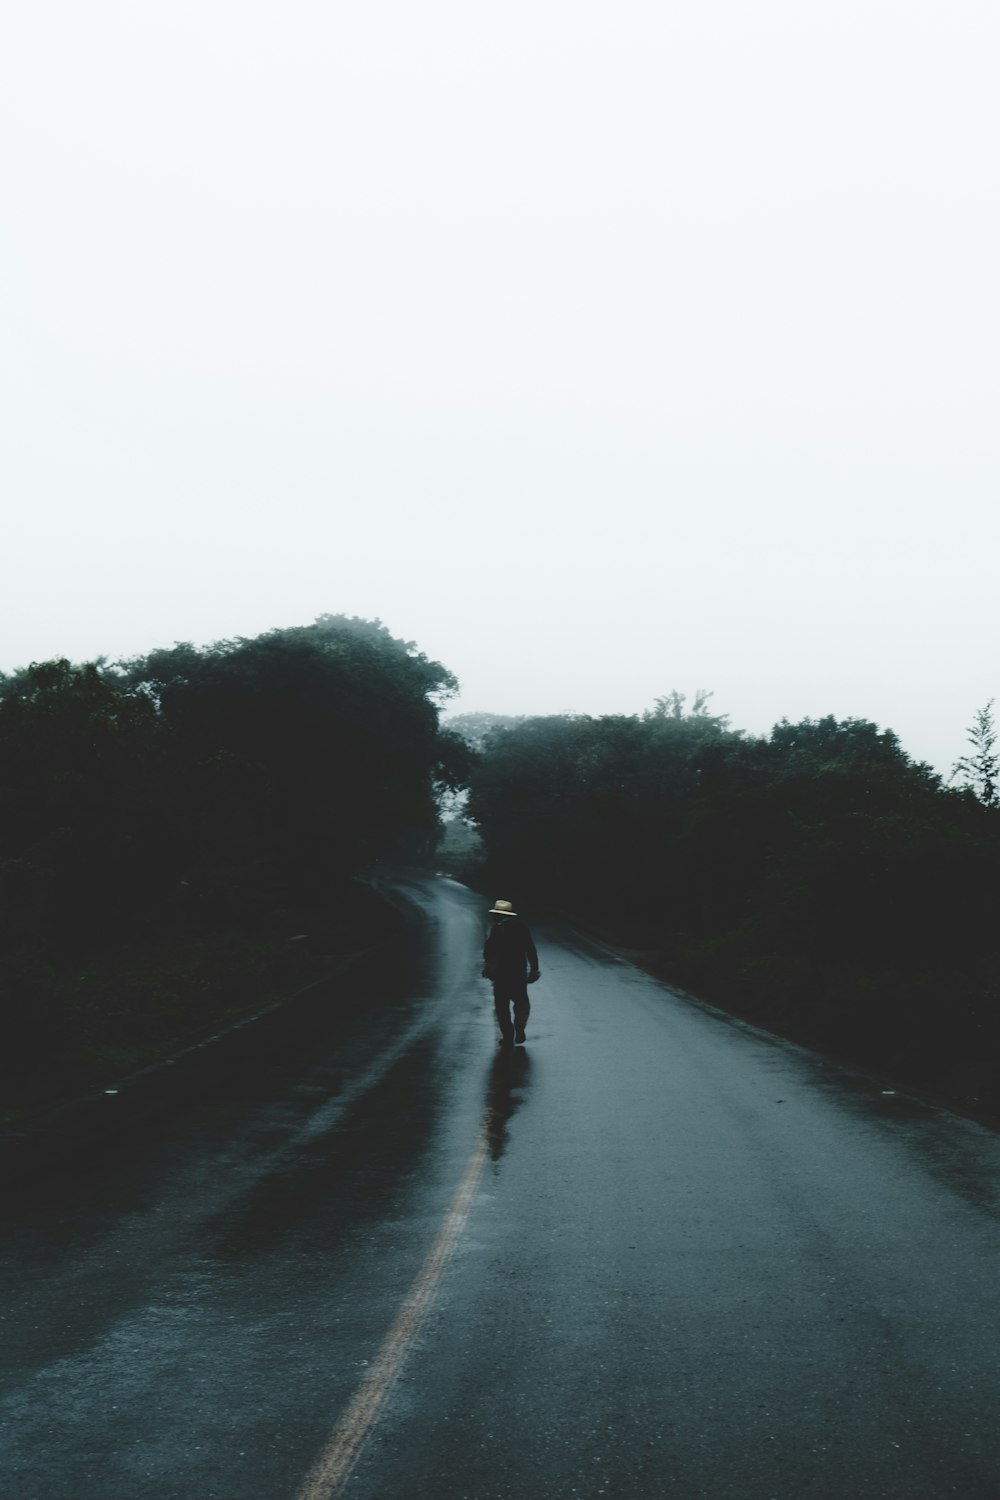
(501, 1001)
(522, 1010)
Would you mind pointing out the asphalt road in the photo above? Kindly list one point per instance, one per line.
(653, 1254)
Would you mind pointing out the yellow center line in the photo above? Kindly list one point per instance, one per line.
(342, 1451)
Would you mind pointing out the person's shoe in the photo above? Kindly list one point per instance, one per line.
(506, 1041)
(519, 1034)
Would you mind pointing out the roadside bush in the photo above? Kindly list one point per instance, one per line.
(155, 815)
(816, 880)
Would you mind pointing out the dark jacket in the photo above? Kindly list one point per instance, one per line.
(509, 951)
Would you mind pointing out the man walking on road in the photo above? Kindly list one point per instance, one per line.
(510, 960)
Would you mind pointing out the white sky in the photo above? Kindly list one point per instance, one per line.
(599, 349)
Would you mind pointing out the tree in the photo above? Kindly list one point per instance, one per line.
(306, 751)
(981, 768)
(476, 728)
(247, 774)
(672, 706)
(78, 753)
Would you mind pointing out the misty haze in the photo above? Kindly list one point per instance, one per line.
(499, 778)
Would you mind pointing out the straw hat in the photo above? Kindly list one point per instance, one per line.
(502, 909)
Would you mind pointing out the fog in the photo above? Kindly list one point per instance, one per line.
(598, 350)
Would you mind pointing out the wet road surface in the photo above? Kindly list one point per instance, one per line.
(654, 1253)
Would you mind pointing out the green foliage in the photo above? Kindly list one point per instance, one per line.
(980, 771)
(195, 791)
(460, 851)
(78, 755)
(242, 769)
(474, 729)
(304, 753)
(574, 806)
(817, 878)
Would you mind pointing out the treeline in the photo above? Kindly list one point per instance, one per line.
(199, 801)
(816, 880)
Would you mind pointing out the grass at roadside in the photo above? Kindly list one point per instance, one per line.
(88, 1022)
(876, 1021)
(78, 1021)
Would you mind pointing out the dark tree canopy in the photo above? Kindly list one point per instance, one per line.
(475, 728)
(818, 876)
(233, 774)
(979, 770)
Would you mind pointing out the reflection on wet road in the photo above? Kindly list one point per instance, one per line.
(652, 1253)
(510, 1074)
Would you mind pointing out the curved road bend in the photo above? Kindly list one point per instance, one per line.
(655, 1254)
